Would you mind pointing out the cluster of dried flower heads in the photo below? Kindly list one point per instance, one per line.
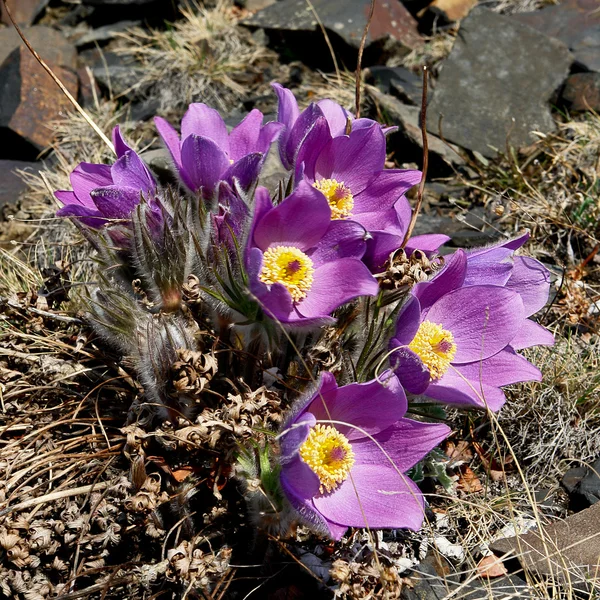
(310, 298)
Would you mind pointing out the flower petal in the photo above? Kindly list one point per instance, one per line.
(88, 216)
(294, 435)
(379, 248)
(130, 171)
(385, 190)
(299, 132)
(483, 320)
(407, 322)
(454, 389)
(531, 334)
(119, 143)
(492, 267)
(353, 160)
(449, 278)
(386, 404)
(429, 243)
(287, 113)
(336, 283)
(298, 479)
(115, 202)
(203, 163)
(243, 138)
(374, 497)
(316, 139)
(206, 122)
(410, 369)
(531, 280)
(245, 170)
(300, 220)
(171, 139)
(87, 177)
(406, 443)
(336, 116)
(343, 239)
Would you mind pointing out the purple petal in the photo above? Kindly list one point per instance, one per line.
(483, 320)
(505, 368)
(492, 267)
(262, 205)
(243, 138)
(203, 163)
(300, 220)
(336, 116)
(407, 322)
(87, 177)
(171, 139)
(130, 171)
(245, 170)
(409, 368)
(119, 143)
(343, 239)
(353, 160)
(429, 243)
(531, 334)
(298, 479)
(386, 404)
(379, 248)
(268, 134)
(287, 113)
(88, 216)
(404, 212)
(385, 221)
(406, 443)
(453, 389)
(116, 202)
(316, 139)
(66, 197)
(385, 190)
(449, 278)
(377, 498)
(531, 280)
(297, 135)
(294, 435)
(206, 122)
(336, 283)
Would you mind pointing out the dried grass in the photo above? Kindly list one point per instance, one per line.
(203, 57)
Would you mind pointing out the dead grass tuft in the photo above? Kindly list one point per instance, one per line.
(203, 57)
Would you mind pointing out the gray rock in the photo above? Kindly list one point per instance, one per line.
(429, 581)
(503, 588)
(117, 2)
(50, 44)
(443, 157)
(24, 12)
(582, 91)
(569, 549)
(347, 19)
(11, 184)
(494, 88)
(398, 81)
(117, 74)
(583, 485)
(105, 33)
(576, 23)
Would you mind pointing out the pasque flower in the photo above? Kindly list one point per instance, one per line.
(456, 336)
(301, 264)
(350, 171)
(104, 192)
(345, 452)
(207, 153)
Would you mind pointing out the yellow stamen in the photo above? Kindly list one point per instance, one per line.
(290, 267)
(339, 197)
(435, 347)
(329, 454)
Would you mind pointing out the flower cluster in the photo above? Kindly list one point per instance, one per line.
(280, 273)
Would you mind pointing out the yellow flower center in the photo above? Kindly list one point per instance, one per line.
(339, 197)
(329, 454)
(290, 267)
(435, 347)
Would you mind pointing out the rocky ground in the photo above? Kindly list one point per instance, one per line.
(97, 500)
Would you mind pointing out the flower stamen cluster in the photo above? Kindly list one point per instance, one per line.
(339, 197)
(290, 267)
(329, 454)
(435, 347)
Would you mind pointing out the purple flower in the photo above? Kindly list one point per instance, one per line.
(301, 264)
(325, 114)
(207, 153)
(103, 192)
(344, 454)
(456, 337)
(350, 171)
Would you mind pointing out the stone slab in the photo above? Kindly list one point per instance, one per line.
(494, 88)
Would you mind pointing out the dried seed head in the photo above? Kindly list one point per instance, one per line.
(405, 271)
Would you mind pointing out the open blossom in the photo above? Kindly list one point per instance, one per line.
(104, 192)
(350, 171)
(456, 336)
(207, 153)
(301, 264)
(345, 452)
